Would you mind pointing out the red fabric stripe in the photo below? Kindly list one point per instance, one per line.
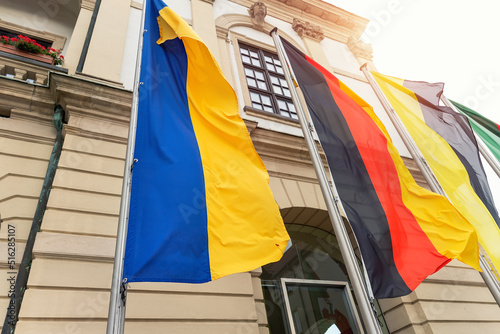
(414, 254)
(498, 126)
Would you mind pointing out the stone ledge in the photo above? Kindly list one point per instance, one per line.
(78, 247)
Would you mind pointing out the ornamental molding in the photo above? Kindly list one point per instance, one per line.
(336, 23)
(337, 18)
(306, 29)
(360, 49)
(258, 12)
(209, 1)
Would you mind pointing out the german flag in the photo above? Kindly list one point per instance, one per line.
(405, 232)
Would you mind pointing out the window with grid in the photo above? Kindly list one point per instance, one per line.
(266, 82)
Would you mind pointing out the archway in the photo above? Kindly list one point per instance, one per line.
(307, 291)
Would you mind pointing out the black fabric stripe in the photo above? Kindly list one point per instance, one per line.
(362, 205)
(456, 130)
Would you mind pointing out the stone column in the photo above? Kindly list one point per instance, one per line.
(312, 36)
(362, 52)
(104, 58)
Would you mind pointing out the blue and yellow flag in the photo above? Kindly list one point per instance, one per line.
(201, 207)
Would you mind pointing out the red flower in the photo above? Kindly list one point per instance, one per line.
(13, 39)
(62, 57)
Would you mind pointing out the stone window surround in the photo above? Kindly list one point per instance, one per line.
(58, 41)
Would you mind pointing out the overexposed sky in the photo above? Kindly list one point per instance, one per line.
(455, 42)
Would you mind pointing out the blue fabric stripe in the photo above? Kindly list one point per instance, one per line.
(167, 237)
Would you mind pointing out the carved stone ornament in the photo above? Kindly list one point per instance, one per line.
(303, 28)
(258, 12)
(360, 49)
(345, 22)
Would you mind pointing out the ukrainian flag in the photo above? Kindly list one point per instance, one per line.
(201, 207)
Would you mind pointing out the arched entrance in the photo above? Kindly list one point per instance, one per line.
(307, 291)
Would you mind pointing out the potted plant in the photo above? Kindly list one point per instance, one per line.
(29, 48)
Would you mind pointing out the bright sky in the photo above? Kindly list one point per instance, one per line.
(455, 42)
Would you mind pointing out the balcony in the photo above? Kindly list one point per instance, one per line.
(25, 69)
(51, 23)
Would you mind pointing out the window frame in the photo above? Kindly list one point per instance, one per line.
(276, 99)
(344, 286)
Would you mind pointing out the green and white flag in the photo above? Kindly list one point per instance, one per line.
(486, 129)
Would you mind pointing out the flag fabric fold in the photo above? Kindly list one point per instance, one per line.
(404, 232)
(486, 129)
(447, 142)
(201, 207)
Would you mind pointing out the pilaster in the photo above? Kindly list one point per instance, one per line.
(204, 25)
(77, 39)
(104, 58)
(312, 35)
(362, 51)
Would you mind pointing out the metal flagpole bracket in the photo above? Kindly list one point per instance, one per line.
(123, 291)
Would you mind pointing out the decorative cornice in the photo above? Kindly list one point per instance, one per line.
(209, 1)
(303, 28)
(360, 49)
(104, 100)
(339, 19)
(336, 23)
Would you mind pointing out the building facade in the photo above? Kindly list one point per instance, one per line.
(67, 290)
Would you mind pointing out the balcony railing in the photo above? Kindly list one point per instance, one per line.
(24, 69)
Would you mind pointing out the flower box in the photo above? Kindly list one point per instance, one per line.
(35, 56)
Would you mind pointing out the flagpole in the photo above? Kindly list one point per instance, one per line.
(117, 300)
(482, 148)
(487, 274)
(331, 198)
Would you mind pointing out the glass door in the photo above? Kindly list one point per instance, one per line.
(320, 307)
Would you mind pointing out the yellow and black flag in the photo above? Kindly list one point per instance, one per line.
(447, 143)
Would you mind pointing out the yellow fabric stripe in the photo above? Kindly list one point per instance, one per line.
(451, 234)
(245, 228)
(445, 164)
